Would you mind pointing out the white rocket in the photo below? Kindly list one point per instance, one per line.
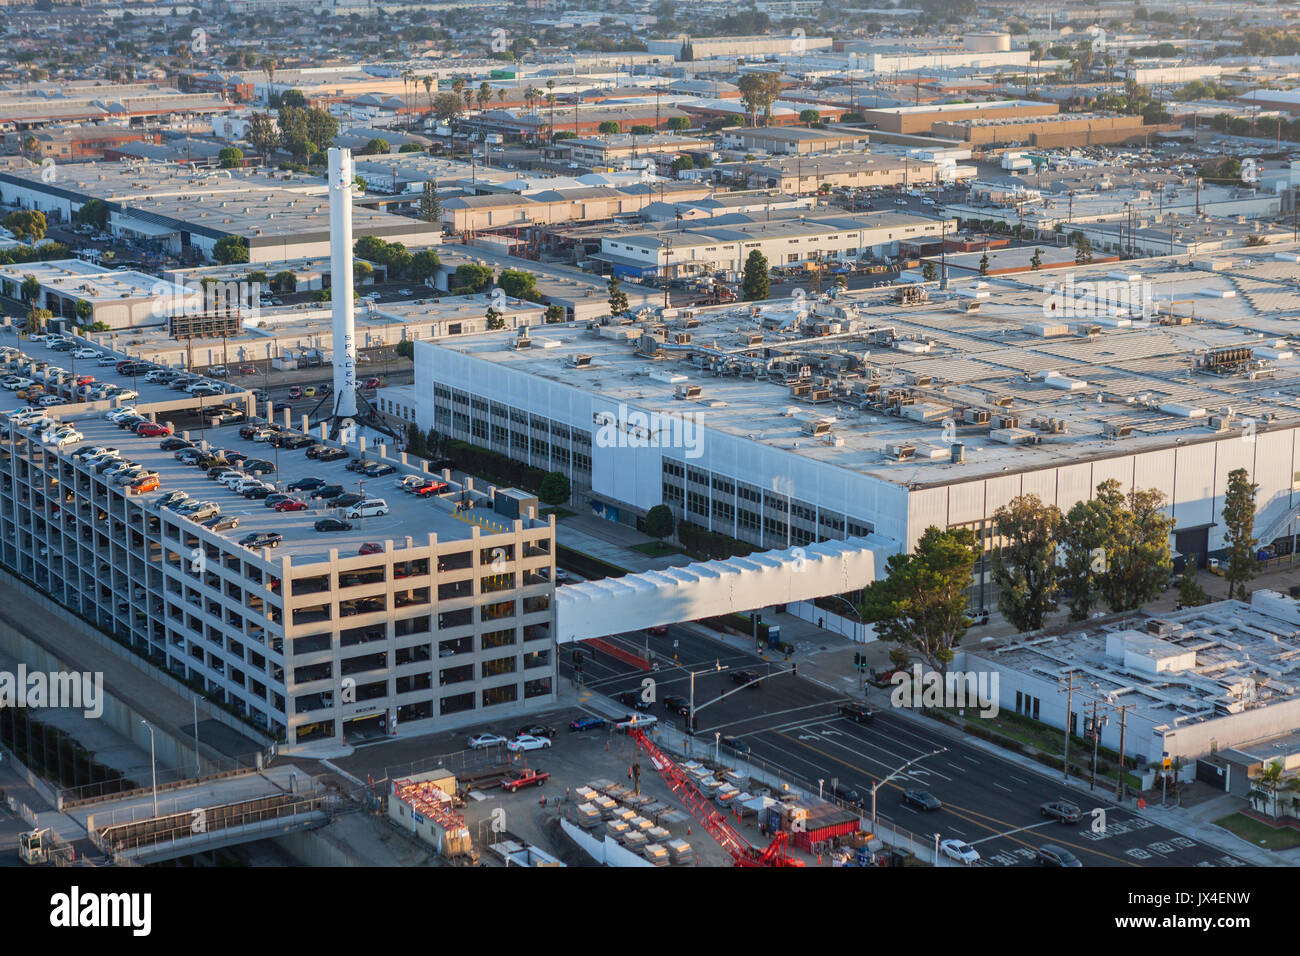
(345, 338)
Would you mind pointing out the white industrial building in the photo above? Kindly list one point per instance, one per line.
(888, 411)
(1194, 682)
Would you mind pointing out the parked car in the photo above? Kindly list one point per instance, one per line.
(291, 504)
(1061, 810)
(371, 547)
(429, 488)
(587, 723)
(359, 464)
(538, 730)
(410, 482)
(347, 500)
(480, 741)
(370, 508)
(378, 470)
(922, 800)
(262, 539)
(305, 484)
(736, 745)
(143, 485)
(175, 444)
(222, 523)
(331, 454)
(527, 742)
(333, 524)
(152, 430)
(256, 492)
(327, 492)
(295, 391)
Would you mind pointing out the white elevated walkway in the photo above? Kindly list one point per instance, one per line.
(710, 588)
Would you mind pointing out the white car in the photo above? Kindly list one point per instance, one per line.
(370, 508)
(409, 482)
(125, 395)
(16, 383)
(960, 851)
(107, 360)
(231, 478)
(485, 740)
(49, 401)
(85, 354)
(527, 742)
(117, 414)
(67, 438)
(248, 484)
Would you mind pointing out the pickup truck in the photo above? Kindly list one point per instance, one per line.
(523, 777)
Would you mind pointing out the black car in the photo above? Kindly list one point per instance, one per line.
(305, 484)
(130, 421)
(258, 492)
(313, 451)
(441, 464)
(858, 713)
(359, 464)
(262, 539)
(327, 492)
(332, 454)
(247, 430)
(347, 500)
(1049, 854)
(737, 745)
(378, 470)
(922, 799)
(333, 524)
(294, 442)
(175, 444)
(633, 699)
(259, 466)
(745, 677)
(261, 395)
(221, 523)
(847, 794)
(679, 705)
(537, 730)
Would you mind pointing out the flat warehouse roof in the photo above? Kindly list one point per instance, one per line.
(1093, 384)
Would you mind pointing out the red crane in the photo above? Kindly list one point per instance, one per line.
(729, 838)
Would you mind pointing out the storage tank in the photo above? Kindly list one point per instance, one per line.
(987, 42)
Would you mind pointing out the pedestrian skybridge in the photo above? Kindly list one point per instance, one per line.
(711, 588)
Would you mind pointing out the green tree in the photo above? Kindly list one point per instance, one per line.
(929, 273)
(555, 489)
(1239, 529)
(1190, 592)
(659, 522)
(1024, 565)
(682, 163)
(554, 313)
(678, 123)
(756, 283)
(1089, 535)
(920, 604)
(263, 133)
(379, 146)
(984, 264)
(1036, 260)
(406, 349)
(519, 284)
(285, 281)
(229, 250)
(424, 265)
(93, 212)
(810, 116)
(84, 311)
(471, 278)
(293, 98)
(608, 126)
(1082, 250)
(1140, 561)
(232, 157)
(27, 225)
(361, 270)
(415, 444)
(495, 319)
(618, 303)
(430, 206)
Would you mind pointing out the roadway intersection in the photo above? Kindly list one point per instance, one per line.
(793, 725)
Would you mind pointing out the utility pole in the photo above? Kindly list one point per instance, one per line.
(1069, 705)
(1123, 718)
(1096, 736)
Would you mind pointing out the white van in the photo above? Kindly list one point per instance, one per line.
(369, 508)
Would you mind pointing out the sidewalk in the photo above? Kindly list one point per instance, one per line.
(613, 542)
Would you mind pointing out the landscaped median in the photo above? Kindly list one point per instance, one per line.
(1259, 832)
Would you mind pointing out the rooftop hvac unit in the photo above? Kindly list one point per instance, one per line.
(975, 416)
(682, 338)
(819, 395)
(1007, 421)
(915, 378)
(957, 453)
(753, 338)
(800, 389)
(522, 341)
(900, 452)
(579, 361)
(1003, 400)
(1112, 430)
(817, 428)
(688, 392)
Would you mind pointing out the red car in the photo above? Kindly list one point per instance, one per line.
(291, 504)
(295, 391)
(371, 383)
(370, 547)
(152, 430)
(247, 370)
(430, 488)
(85, 379)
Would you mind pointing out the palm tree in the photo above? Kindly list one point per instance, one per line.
(428, 90)
(550, 101)
(484, 95)
(501, 95)
(268, 67)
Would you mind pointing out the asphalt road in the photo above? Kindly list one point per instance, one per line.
(793, 724)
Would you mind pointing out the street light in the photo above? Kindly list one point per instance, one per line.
(876, 786)
(154, 764)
